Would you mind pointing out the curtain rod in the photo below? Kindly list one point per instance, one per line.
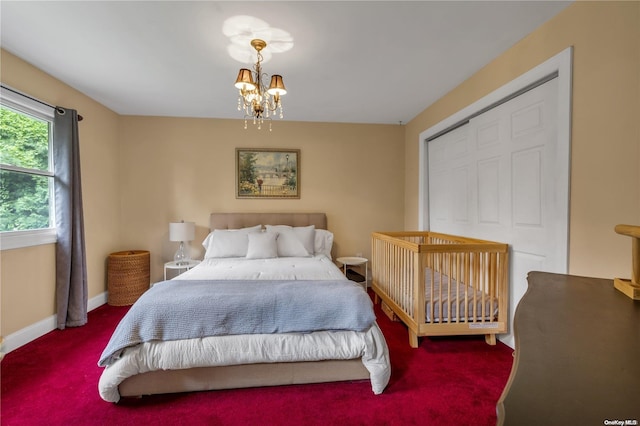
(80, 118)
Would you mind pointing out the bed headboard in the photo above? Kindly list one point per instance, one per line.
(243, 220)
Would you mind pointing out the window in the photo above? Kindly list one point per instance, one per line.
(26, 172)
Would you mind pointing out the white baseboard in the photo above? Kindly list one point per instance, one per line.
(32, 332)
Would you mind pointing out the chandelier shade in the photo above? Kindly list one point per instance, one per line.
(245, 80)
(277, 86)
(256, 100)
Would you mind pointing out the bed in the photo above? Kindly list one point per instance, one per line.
(246, 342)
(439, 284)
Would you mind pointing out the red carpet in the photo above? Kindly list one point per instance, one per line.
(53, 381)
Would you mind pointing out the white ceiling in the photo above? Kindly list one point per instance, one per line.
(356, 62)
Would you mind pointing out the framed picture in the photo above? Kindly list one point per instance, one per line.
(267, 173)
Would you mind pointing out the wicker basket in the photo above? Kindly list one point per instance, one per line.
(127, 276)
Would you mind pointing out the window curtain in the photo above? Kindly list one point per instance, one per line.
(71, 271)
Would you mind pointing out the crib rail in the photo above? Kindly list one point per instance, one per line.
(440, 284)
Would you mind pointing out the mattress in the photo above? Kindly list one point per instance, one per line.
(449, 297)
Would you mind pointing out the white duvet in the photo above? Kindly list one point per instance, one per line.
(370, 346)
(318, 267)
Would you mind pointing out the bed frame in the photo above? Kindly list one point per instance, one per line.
(406, 264)
(248, 375)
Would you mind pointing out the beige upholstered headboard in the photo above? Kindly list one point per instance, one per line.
(243, 220)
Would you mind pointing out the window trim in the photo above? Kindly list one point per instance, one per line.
(32, 237)
(36, 172)
(26, 104)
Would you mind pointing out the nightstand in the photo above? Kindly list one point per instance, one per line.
(356, 261)
(180, 267)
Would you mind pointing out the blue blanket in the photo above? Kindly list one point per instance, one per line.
(185, 309)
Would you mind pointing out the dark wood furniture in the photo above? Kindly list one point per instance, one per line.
(577, 359)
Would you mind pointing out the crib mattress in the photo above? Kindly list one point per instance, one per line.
(446, 297)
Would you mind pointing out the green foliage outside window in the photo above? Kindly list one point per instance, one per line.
(24, 197)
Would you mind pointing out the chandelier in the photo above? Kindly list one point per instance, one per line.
(254, 98)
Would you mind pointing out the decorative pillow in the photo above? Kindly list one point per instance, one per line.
(228, 242)
(323, 242)
(262, 245)
(304, 234)
(289, 245)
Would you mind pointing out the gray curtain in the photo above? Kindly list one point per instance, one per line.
(71, 271)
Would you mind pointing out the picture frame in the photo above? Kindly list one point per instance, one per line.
(267, 173)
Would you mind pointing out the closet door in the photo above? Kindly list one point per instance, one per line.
(498, 178)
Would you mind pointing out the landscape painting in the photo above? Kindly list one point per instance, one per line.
(267, 173)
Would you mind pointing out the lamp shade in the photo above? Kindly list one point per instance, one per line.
(277, 86)
(245, 80)
(182, 231)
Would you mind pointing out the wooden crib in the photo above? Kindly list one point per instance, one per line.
(442, 285)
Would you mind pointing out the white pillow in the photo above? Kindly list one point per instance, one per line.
(289, 245)
(262, 245)
(304, 234)
(323, 242)
(228, 242)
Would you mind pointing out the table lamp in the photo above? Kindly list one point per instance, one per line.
(182, 231)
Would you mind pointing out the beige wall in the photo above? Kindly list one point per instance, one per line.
(27, 275)
(184, 168)
(605, 152)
